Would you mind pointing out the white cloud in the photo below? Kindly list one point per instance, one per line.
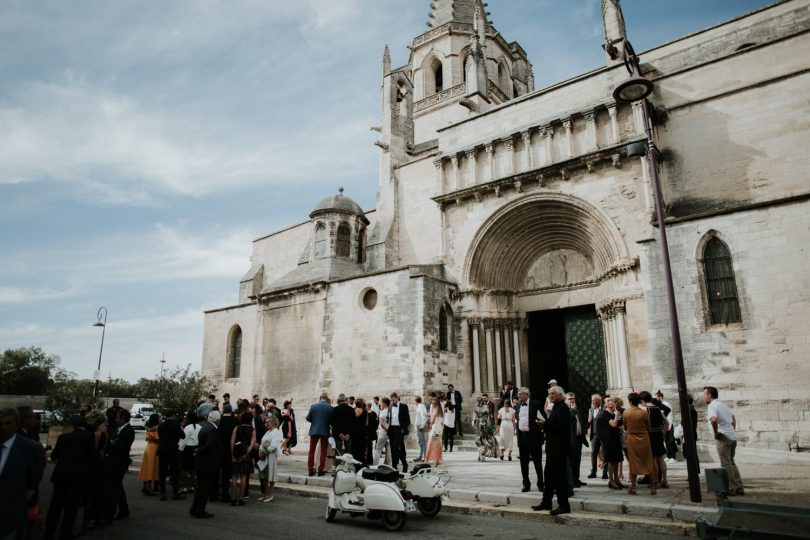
(17, 295)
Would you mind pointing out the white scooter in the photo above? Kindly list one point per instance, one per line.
(423, 486)
(381, 500)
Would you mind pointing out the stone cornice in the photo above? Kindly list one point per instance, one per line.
(538, 176)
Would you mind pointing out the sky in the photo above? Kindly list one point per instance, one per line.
(145, 144)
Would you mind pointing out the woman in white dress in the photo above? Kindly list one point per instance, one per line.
(506, 428)
(269, 450)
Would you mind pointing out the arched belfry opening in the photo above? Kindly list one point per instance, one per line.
(434, 77)
(542, 269)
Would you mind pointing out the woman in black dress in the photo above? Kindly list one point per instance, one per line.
(658, 426)
(608, 426)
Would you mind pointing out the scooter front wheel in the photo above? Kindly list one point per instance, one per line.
(393, 521)
(330, 514)
(429, 507)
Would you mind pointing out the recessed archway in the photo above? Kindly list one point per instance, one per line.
(515, 237)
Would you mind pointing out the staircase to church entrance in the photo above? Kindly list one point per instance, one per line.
(567, 345)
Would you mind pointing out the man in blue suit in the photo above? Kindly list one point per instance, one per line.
(318, 417)
(21, 464)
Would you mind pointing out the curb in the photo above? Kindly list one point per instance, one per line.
(591, 519)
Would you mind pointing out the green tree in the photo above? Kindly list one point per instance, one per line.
(68, 394)
(28, 371)
(119, 388)
(179, 389)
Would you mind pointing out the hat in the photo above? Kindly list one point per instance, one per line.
(552, 381)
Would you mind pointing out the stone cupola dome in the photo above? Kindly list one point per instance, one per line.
(338, 203)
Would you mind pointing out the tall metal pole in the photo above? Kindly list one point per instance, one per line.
(693, 471)
(103, 324)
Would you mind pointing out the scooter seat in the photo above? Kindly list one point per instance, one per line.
(381, 476)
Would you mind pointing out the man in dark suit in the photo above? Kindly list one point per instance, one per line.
(20, 472)
(118, 462)
(169, 435)
(454, 397)
(400, 422)
(530, 438)
(206, 465)
(318, 418)
(227, 423)
(557, 428)
(508, 393)
(578, 439)
(75, 456)
(112, 415)
(343, 422)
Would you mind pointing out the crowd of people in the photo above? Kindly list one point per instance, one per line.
(213, 450)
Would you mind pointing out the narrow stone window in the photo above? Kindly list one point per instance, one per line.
(438, 76)
(446, 340)
(503, 80)
(361, 246)
(321, 241)
(235, 346)
(343, 244)
(721, 288)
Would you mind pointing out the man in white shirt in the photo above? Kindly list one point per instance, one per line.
(421, 423)
(723, 426)
(382, 434)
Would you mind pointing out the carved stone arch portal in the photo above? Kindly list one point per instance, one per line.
(512, 240)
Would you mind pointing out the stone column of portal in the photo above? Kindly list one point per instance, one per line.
(606, 315)
(548, 139)
(490, 360)
(490, 149)
(516, 343)
(614, 123)
(498, 356)
(476, 357)
(439, 174)
(569, 137)
(590, 129)
(621, 340)
(527, 150)
(456, 179)
(647, 185)
(508, 353)
(509, 142)
(472, 168)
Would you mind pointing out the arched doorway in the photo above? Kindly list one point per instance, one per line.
(543, 267)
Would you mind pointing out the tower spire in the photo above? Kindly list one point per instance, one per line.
(386, 61)
(615, 32)
(444, 11)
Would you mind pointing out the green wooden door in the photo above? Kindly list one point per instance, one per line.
(585, 353)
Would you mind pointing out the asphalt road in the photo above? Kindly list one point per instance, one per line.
(292, 516)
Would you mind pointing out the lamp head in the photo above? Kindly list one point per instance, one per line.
(99, 324)
(632, 89)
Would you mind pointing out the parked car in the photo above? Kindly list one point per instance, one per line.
(140, 413)
(46, 419)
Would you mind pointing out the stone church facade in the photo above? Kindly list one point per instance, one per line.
(514, 236)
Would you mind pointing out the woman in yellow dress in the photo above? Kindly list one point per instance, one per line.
(150, 472)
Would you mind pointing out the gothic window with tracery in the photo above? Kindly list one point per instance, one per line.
(721, 287)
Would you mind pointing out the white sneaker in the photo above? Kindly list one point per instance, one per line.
(671, 461)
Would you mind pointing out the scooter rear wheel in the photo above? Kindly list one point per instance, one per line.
(393, 521)
(429, 507)
(330, 514)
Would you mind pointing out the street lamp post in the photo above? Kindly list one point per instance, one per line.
(102, 312)
(637, 88)
(160, 388)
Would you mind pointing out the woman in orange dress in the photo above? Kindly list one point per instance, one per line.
(150, 473)
(639, 450)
